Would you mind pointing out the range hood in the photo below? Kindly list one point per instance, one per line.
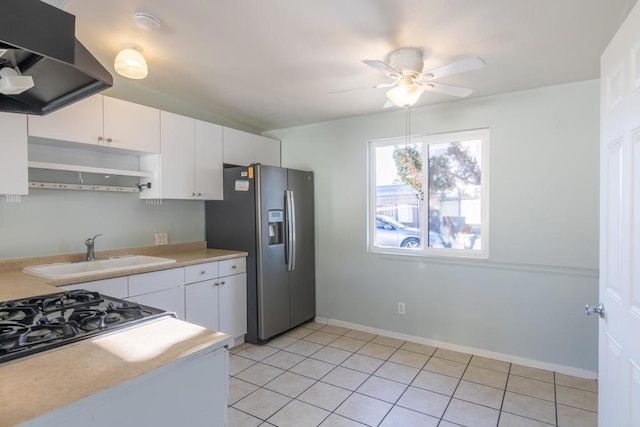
(39, 40)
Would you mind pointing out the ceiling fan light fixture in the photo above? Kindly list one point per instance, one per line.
(131, 64)
(405, 95)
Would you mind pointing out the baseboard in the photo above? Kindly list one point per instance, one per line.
(562, 369)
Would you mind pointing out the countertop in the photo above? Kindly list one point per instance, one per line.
(63, 375)
(35, 385)
(15, 284)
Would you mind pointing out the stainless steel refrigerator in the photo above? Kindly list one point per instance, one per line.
(268, 212)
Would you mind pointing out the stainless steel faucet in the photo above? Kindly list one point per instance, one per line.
(90, 242)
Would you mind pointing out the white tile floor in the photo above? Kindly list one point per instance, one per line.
(319, 375)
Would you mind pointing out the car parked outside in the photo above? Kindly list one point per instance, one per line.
(392, 233)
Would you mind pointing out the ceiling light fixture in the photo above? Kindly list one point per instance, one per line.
(130, 63)
(405, 95)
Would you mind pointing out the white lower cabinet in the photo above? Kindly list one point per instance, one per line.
(160, 289)
(117, 287)
(218, 303)
(232, 305)
(212, 295)
(171, 300)
(202, 302)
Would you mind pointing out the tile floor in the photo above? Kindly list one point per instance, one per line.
(323, 375)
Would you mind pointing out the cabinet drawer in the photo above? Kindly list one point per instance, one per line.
(115, 287)
(232, 266)
(200, 272)
(156, 281)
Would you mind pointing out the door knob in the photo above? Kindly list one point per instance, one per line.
(590, 309)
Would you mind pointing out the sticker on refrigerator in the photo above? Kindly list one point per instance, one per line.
(242, 185)
(244, 174)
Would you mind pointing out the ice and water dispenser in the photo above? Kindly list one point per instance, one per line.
(276, 227)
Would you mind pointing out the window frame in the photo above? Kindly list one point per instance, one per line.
(446, 137)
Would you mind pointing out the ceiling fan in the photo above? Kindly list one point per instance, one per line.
(405, 67)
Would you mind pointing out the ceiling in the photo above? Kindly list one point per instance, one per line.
(270, 64)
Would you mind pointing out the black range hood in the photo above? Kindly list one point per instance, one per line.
(39, 39)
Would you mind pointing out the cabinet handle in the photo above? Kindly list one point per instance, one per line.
(216, 284)
(192, 194)
(199, 194)
(203, 272)
(100, 138)
(222, 283)
(109, 140)
(233, 267)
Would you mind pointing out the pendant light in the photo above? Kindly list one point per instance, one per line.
(130, 63)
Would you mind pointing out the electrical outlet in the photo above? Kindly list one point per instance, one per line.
(162, 239)
(400, 308)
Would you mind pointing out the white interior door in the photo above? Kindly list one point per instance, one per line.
(619, 344)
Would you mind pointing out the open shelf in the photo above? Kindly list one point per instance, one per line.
(88, 169)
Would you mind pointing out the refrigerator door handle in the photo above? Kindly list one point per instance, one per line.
(291, 230)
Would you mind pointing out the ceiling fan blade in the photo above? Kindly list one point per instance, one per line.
(381, 85)
(458, 91)
(462, 66)
(383, 67)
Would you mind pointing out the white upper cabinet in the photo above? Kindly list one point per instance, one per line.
(103, 121)
(208, 161)
(131, 126)
(243, 148)
(79, 122)
(176, 158)
(13, 154)
(190, 164)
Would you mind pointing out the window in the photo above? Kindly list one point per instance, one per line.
(429, 195)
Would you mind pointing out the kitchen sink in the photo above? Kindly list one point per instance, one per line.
(66, 270)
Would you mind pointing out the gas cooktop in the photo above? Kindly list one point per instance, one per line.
(31, 325)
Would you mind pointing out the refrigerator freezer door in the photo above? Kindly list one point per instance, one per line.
(302, 280)
(273, 277)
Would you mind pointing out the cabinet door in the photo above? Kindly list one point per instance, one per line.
(233, 305)
(79, 122)
(131, 126)
(237, 147)
(168, 299)
(115, 287)
(201, 302)
(266, 151)
(177, 156)
(13, 158)
(208, 161)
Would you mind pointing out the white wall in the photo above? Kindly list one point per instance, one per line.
(528, 299)
(48, 222)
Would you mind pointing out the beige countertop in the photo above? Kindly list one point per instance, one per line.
(33, 386)
(90, 366)
(15, 284)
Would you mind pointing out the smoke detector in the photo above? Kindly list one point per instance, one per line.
(146, 21)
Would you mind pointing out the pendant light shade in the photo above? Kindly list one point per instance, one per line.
(405, 95)
(131, 64)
